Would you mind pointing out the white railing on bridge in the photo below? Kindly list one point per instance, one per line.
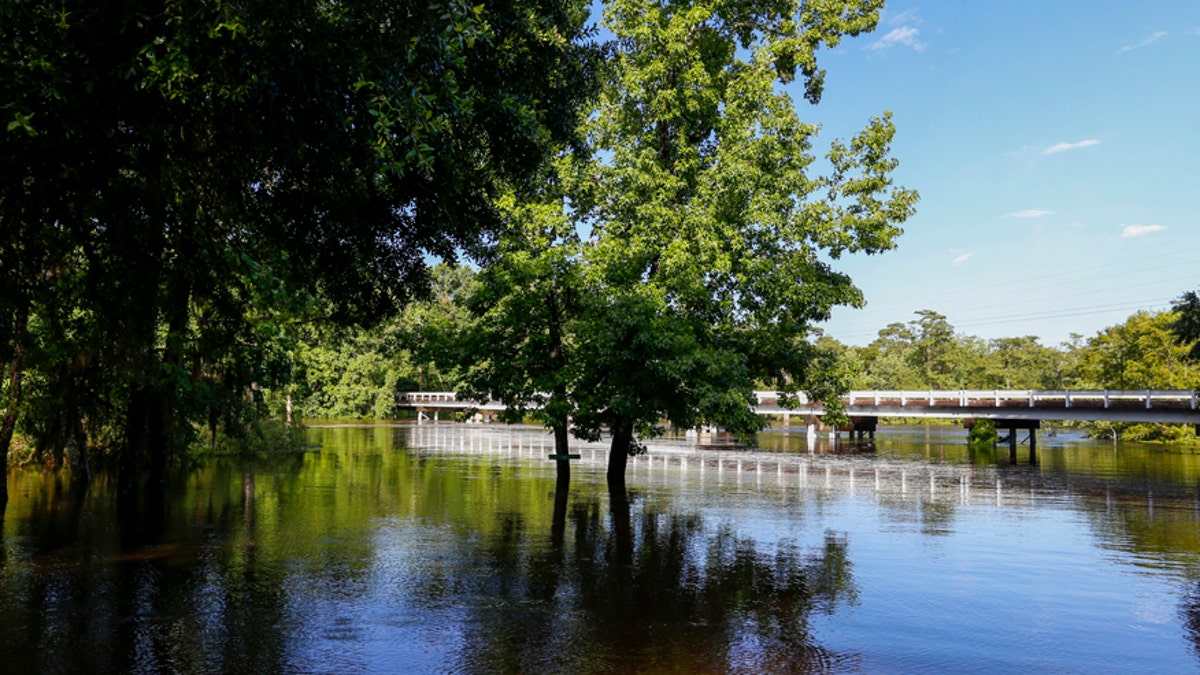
(1120, 405)
(964, 398)
(1173, 398)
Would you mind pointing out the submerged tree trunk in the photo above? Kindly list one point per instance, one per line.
(618, 454)
(562, 448)
(16, 375)
(76, 446)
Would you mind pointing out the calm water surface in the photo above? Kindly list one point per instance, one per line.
(442, 548)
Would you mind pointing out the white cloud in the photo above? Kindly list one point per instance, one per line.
(1193, 31)
(1030, 213)
(1063, 147)
(907, 16)
(904, 35)
(1138, 230)
(1154, 37)
(961, 259)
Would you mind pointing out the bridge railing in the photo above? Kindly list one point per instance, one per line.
(429, 397)
(1000, 398)
(963, 398)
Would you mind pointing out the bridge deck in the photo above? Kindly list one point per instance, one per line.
(1145, 405)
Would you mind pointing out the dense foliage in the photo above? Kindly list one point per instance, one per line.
(212, 212)
(1144, 352)
(679, 261)
(183, 185)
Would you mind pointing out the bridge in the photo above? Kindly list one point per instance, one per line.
(1012, 410)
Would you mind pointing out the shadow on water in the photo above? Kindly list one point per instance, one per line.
(107, 581)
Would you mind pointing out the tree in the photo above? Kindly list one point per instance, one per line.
(933, 344)
(188, 161)
(1140, 353)
(1023, 363)
(1186, 326)
(520, 344)
(709, 235)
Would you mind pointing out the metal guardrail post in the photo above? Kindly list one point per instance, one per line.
(1147, 399)
(1067, 397)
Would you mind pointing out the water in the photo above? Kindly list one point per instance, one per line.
(438, 548)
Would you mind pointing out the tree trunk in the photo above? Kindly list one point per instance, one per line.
(16, 375)
(618, 454)
(562, 448)
(76, 446)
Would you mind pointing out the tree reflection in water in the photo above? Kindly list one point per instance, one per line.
(1189, 611)
(652, 591)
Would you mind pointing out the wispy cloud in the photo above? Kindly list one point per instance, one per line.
(908, 36)
(1154, 37)
(1030, 213)
(908, 16)
(1063, 147)
(1128, 231)
(962, 259)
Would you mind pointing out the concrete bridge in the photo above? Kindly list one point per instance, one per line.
(1011, 410)
(1116, 405)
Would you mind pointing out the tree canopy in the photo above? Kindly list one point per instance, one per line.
(180, 181)
(693, 224)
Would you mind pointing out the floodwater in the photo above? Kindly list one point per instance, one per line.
(442, 548)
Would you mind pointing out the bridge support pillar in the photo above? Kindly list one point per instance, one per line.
(863, 425)
(1013, 426)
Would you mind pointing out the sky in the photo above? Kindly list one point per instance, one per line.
(1056, 149)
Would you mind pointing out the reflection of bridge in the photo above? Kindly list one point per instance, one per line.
(683, 462)
(1011, 410)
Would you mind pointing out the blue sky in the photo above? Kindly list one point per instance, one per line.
(1056, 147)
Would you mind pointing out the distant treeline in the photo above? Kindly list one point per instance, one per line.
(357, 374)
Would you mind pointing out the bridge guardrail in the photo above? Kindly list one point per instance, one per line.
(1166, 399)
(1106, 398)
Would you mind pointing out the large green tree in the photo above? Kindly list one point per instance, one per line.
(522, 344)
(194, 170)
(707, 236)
